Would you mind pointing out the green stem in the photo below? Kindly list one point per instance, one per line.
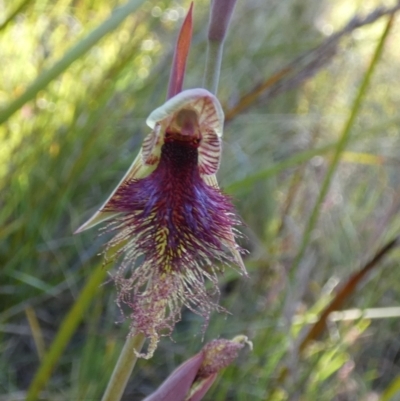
(123, 369)
(341, 145)
(213, 65)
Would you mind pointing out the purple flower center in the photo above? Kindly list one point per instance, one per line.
(174, 215)
(180, 226)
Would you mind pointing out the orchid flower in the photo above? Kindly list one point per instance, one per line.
(191, 380)
(172, 225)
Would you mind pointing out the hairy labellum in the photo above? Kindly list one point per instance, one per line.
(180, 226)
(172, 223)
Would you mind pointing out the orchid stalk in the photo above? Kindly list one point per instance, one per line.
(220, 16)
(173, 227)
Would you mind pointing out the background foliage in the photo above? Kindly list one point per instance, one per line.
(63, 151)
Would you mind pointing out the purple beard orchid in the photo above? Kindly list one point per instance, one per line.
(172, 225)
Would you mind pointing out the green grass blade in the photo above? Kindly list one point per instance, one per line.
(341, 145)
(392, 390)
(292, 161)
(77, 51)
(66, 331)
(14, 13)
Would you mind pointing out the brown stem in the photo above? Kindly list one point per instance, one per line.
(305, 66)
(346, 290)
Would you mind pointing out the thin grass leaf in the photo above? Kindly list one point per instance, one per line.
(341, 145)
(346, 291)
(21, 6)
(77, 51)
(305, 66)
(65, 332)
(392, 390)
(293, 161)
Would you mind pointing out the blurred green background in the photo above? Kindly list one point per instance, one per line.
(64, 150)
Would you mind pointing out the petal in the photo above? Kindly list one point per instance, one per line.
(191, 380)
(210, 120)
(180, 55)
(178, 383)
(218, 354)
(141, 167)
(209, 152)
(211, 180)
(203, 102)
(200, 388)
